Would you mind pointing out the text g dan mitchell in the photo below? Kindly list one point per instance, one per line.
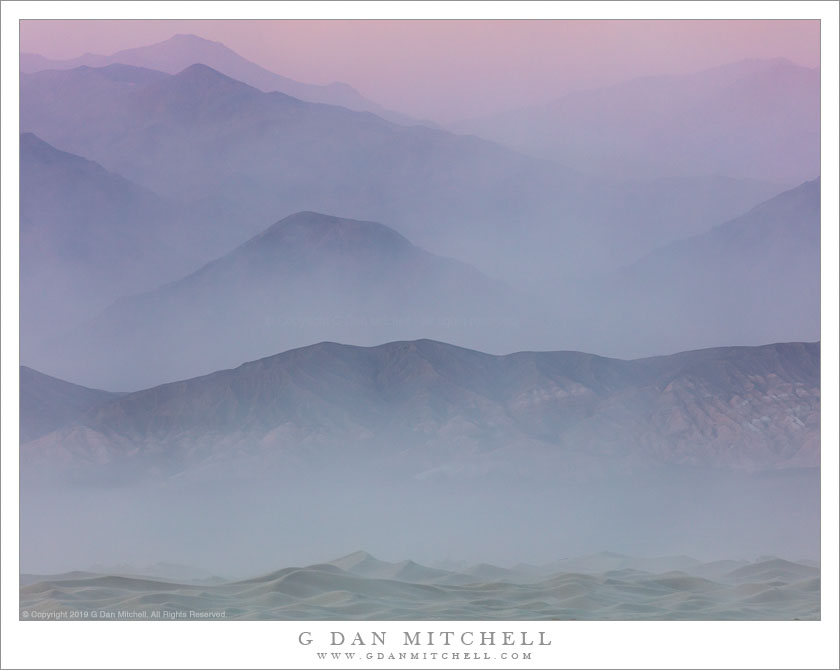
(431, 638)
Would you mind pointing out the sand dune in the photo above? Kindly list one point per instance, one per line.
(361, 587)
(773, 569)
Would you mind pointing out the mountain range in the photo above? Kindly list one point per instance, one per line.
(311, 277)
(180, 51)
(510, 215)
(47, 403)
(307, 277)
(428, 409)
(184, 210)
(757, 274)
(89, 236)
(751, 280)
(754, 118)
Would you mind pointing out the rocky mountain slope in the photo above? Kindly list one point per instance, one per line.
(47, 403)
(426, 408)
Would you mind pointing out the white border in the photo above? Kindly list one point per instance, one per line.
(273, 644)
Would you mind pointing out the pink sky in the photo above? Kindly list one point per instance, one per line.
(448, 70)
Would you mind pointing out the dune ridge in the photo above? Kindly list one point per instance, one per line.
(360, 587)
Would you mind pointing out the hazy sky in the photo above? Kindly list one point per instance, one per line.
(449, 70)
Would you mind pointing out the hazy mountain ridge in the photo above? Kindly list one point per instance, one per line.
(755, 118)
(312, 277)
(742, 408)
(463, 196)
(752, 280)
(181, 51)
(780, 236)
(47, 403)
(87, 235)
(306, 278)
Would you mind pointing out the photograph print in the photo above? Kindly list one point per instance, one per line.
(413, 320)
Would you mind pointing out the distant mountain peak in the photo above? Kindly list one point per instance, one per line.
(172, 55)
(797, 201)
(202, 78)
(309, 219)
(178, 41)
(192, 38)
(201, 70)
(32, 140)
(312, 228)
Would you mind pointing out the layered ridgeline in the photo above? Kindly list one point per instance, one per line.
(181, 51)
(752, 280)
(312, 277)
(89, 236)
(47, 403)
(86, 236)
(755, 118)
(758, 274)
(427, 409)
(508, 214)
(307, 278)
